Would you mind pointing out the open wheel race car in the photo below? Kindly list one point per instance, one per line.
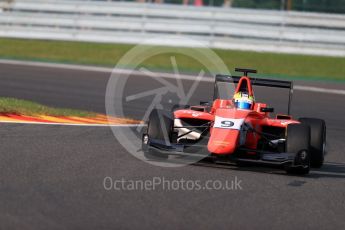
(237, 129)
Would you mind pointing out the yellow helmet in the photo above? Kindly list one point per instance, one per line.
(243, 100)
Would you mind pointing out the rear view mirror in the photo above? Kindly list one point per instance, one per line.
(205, 103)
(267, 110)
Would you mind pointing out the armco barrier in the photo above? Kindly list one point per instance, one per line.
(226, 28)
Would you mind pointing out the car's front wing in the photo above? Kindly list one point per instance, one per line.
(200, 151)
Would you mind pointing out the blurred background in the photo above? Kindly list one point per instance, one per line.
(293, 38)
(315, 27)
(329, 6)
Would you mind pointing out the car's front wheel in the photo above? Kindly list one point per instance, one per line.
(159, 128)
(298, 141)
(317, 140)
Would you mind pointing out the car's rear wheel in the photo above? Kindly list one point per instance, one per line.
(317, 140)
(159, 127)
(298, 141)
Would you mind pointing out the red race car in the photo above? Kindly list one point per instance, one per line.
(235, 128)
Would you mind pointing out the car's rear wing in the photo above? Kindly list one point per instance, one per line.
(261, 82)
(257, 81)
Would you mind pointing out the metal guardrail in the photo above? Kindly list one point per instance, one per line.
(121, 22)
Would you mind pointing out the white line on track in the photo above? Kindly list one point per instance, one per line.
(135, 72)
(69, 124)
(319, 90)
(57, 65)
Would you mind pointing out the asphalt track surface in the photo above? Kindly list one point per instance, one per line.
(52, 176)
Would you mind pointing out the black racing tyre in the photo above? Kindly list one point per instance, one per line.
(298, 141)
(317, 140)
(159, 127)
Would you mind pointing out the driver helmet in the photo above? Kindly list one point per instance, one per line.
(243, 100)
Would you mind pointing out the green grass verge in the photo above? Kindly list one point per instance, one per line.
(279, 65)
(29, 108)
